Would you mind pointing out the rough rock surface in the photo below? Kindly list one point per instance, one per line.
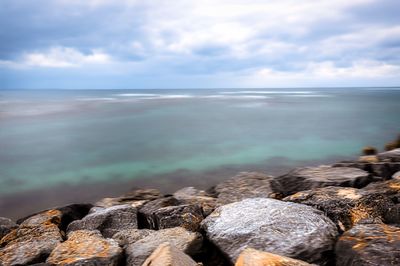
(146, 213)
(107, 220)
(168, 255)
(193, 196)
(33, 240)
(322, 176)
(253, 257)
(85, 247)
(135, 198)
(290, 229)
(348, 206)
(389, 188)
(188, 242)
(129, 236)
(392, 156)
(369, 244)
(381, 170)
(186, 216)
(242, 186)
(396, 175)
(6, 225)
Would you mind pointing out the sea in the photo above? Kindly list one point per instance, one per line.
(64, 146)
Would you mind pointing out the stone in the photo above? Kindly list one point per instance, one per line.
(186, 216)
(389, 188)
(107, 220)
(136, 198)
(191, 195)
(6, 225)
(369, 244)
(242, 186)
(33, 240)
(391, 156)
(189, 242)
(347, 206)
(380, 170)
(285, 228)
(85, 247)
(322, 176)
(146, 213)
(129, 236)
(168, 255)
(253, 257)
(396, 175)
(368, 159)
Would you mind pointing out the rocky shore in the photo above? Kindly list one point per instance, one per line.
(347, 213)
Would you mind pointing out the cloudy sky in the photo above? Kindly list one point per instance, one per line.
(199, 44)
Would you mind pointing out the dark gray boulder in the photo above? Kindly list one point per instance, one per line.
(107, 220)
(380, 170)
(193, 196)
(322, 176)
(146, 212)
(369, 245)
(85, 247)
(285, 228)
(244, 185)
(6, 225)
(186, 216)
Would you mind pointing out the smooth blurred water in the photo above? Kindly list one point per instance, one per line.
(53, 137)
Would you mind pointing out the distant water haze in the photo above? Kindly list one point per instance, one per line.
(57, 146)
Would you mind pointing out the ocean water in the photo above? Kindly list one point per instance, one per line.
(53, 138)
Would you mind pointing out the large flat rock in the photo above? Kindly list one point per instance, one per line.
(322, 176)
(369, 245)
(285, 228)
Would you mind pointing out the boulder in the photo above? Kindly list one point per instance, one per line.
(396, 175)
(85, 247)
(253, 257)
(389, 188)
(285, 228)
(6, 225)
(192, 196)
(33, 240)
(391, 156)
(168, 255)
(369, 244)
(186, 216)
(189, 242)
(129, 236)
(348, 206)
(135, 198)
(322, 176)
(146, 212)
(380, 170)
(107, 220)
(242, 186)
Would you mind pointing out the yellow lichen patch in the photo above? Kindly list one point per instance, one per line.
(253, 257)
(359, 213)
(349, 193)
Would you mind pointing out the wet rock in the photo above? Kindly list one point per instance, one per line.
(168, 255)
(107, 220)
(146, 213)
(242, 186)
(129, 236)
(369, 244)
(136, 198)
(33, 240)
(186, 216)
(348, 206)
(391, 156)
(322, 176)
(290, 229)
(85, 247)
(192, 196)
(253, 257)
(6, 225)
(189, 242)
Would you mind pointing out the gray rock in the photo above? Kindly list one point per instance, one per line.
(107, 220)
(322, 176)
(392, 155)
(193, 196)
(389, 188)
(6, 225)
(136, 198)
(129, 236)
(168, 255)
(396, 175)
(186, 216)
(379, 170)
(285, 228)
(33, 240)
(369, 245)
(85, 247)
(189, 242)
(146, 213)
(244, 185)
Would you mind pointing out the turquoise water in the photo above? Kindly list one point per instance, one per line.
(54, 137)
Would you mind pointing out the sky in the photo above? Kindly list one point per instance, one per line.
(109, 44)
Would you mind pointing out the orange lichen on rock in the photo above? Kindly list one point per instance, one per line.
(253, 257)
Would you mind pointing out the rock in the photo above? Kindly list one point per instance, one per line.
(146, 213)
(85, 247)
(107, 220)
(6, 225)
(188, 242)
(168, 255)
(290, 229)
(129, 236)
(391, 156)
(186, 216)
(379, 170)
(136, 198)
(396, 175)
(242, 186)
(368, 159)
(348, 206)
(322, 176)
(253, 257)
(389, 188)
(192, 196)
(33, 240)
(369, 244)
